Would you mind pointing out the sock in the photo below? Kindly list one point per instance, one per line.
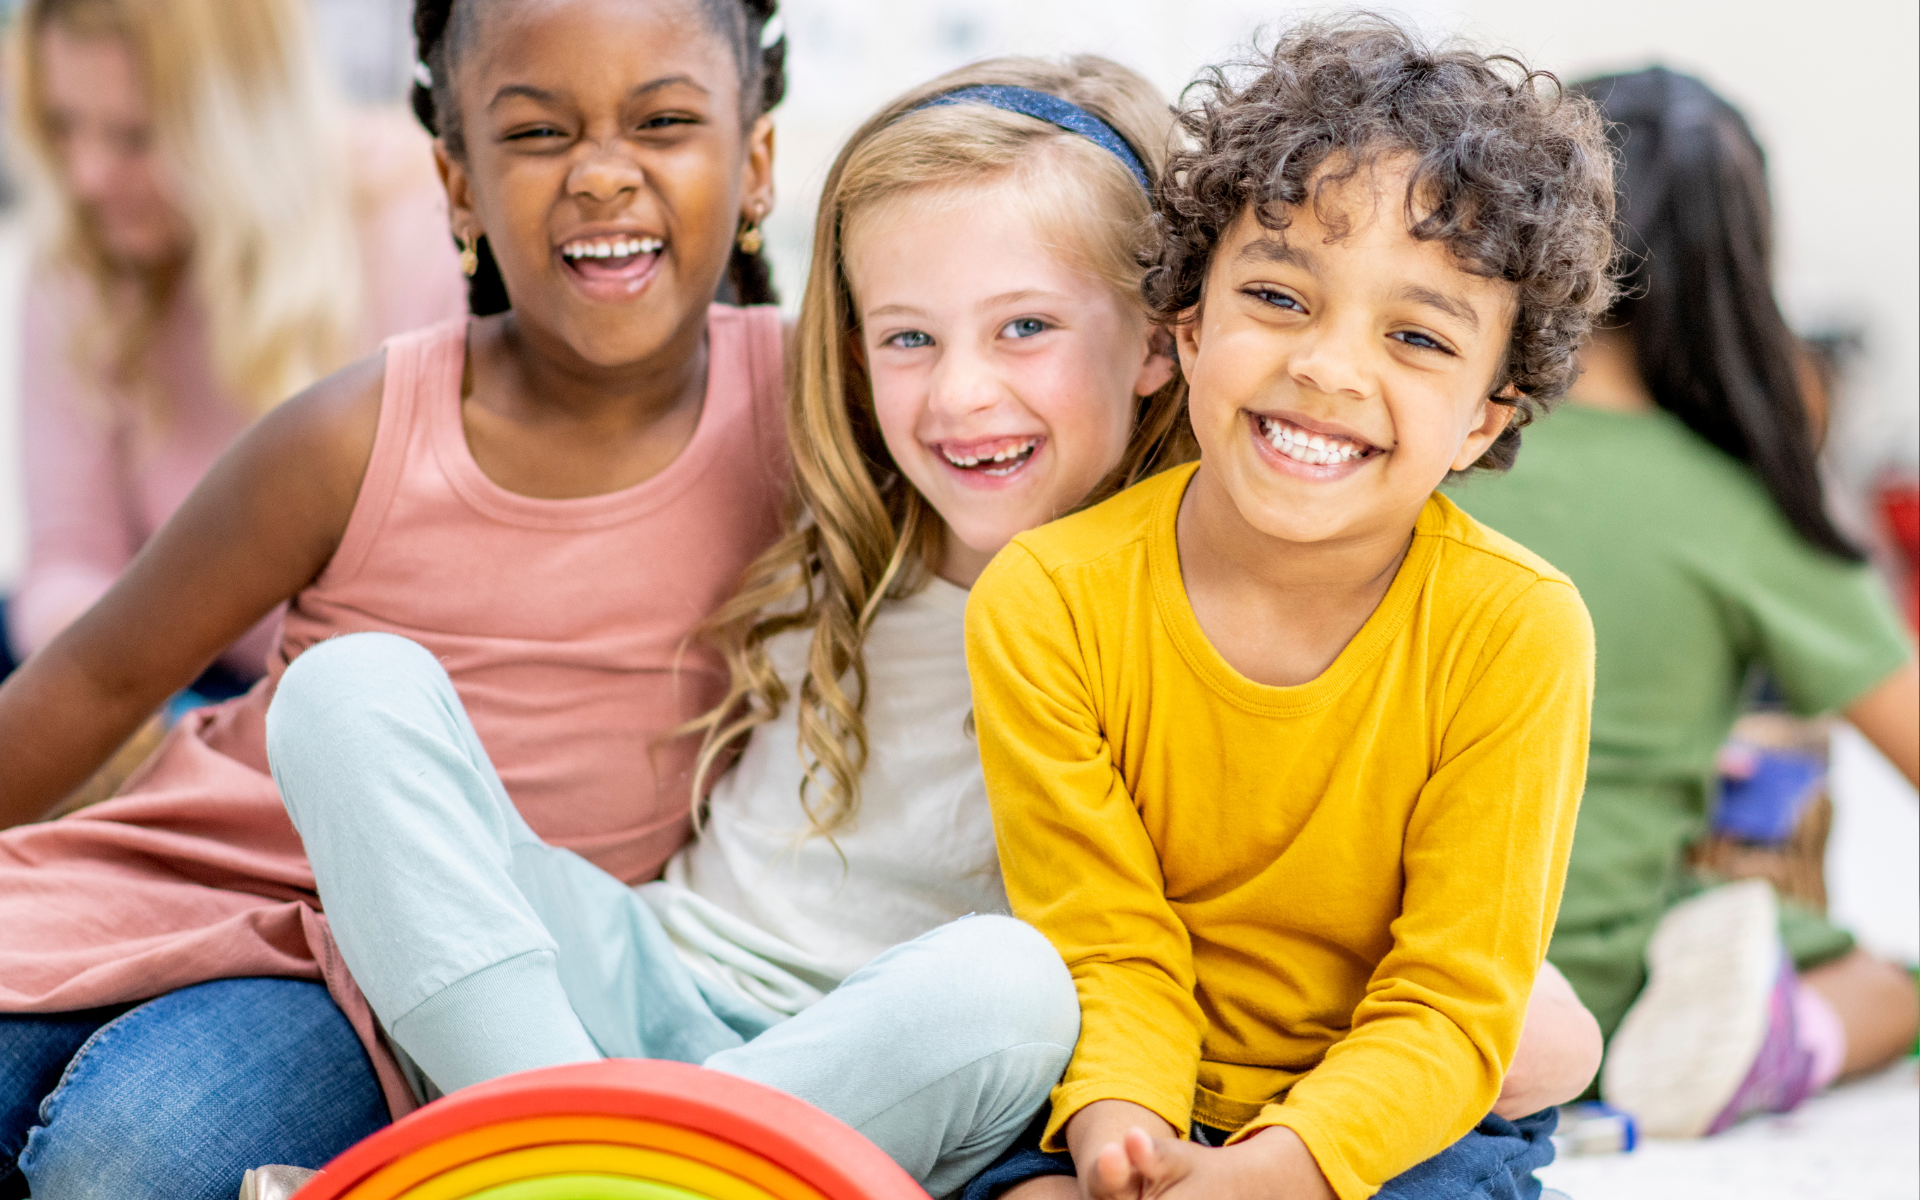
(1818, 1030)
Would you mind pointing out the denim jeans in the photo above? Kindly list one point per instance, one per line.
(1495, 1161)
(485, 951)
(175, 1098)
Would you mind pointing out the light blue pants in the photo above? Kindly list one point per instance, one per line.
(485, 951)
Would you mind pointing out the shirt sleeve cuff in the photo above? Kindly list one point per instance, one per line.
(1341, 1177)
(1070, 1098)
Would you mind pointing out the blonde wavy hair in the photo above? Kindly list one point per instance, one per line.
(860, 532)
(246, 128)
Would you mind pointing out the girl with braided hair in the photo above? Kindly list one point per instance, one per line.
(547, 498)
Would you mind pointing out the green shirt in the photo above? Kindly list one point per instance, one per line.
(1693, 577)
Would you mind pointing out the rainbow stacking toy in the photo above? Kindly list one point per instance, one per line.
(624, 1129)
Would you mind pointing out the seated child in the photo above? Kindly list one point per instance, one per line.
(974, 359)
(1284, 750)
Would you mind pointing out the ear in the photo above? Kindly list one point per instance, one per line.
(461, 218)
(1491, 421)
(756, 181)
(1157, 368)
(1186, 337)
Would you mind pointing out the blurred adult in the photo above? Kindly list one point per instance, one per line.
(212, 234)
(1680, 491)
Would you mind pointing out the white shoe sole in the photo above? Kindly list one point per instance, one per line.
(1687, 1043)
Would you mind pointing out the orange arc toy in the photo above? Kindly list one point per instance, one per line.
(623, 1129)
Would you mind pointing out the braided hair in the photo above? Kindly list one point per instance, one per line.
(441, 30)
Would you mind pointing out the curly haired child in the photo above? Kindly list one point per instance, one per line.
(1284, 750)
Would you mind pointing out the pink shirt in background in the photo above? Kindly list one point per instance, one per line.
(98, 485)
(563, 625)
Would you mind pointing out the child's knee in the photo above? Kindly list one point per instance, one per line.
(337, 679)
(1004, 971)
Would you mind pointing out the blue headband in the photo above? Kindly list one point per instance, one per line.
(1054, 111)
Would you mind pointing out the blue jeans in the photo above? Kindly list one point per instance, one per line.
(175, 1098)
(1495, 1161)
(485, 951)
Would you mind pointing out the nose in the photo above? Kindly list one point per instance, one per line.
(92, 167)
(604, 173)
(1331, 358)
(964, 383)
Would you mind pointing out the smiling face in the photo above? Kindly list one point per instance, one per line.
(1004, 379)
(1337, 379)
(100, 129)
(606, 164)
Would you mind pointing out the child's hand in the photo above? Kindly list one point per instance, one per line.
(1127, 1152)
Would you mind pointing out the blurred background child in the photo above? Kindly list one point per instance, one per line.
(1680, 491)
(215, 233)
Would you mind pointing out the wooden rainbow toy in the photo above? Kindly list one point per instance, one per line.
(623, 1129)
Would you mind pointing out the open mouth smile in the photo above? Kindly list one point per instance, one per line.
(996, 458)
(616, 259)
(1308, 448)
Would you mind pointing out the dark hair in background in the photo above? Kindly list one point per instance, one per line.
(1696, 236)
(1514, 177)
(441, 29)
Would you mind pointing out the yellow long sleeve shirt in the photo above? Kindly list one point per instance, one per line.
(1319, 906)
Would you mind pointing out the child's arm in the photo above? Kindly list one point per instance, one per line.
(1078, 862)
(1484, 857)
(256, 530)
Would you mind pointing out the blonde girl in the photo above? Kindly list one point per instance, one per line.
(973, 359)
(212, 235)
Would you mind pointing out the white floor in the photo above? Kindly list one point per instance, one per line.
(1859, 1142)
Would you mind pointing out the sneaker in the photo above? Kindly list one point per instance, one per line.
(1711, 1039)
(273, 1183)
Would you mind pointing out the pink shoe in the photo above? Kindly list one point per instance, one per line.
(1712, 1038)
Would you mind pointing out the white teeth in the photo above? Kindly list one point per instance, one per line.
(1014, 455)
(611, 248)
(1313, 449)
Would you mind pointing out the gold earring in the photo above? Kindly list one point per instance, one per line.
(469, 256)
(751, 240)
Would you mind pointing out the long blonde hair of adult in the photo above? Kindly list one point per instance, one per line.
(246, 127)
(860, 533)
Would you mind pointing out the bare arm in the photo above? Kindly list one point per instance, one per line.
(261, 525)
(1889, 716)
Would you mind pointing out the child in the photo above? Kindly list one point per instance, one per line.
(1675, 415)
(974, 360)
(1283, 750)
(548, 500)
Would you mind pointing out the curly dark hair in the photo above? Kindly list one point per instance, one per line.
(1511, 172)
(442, 30)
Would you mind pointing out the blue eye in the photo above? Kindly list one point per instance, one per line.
(912, 339)
(1024, 327)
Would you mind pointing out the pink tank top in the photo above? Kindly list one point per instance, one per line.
(562, 624)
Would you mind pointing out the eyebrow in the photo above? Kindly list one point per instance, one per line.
(1019, 294)
(1273, 250)
(547, 96)
(895, 310)
(1447, 304)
